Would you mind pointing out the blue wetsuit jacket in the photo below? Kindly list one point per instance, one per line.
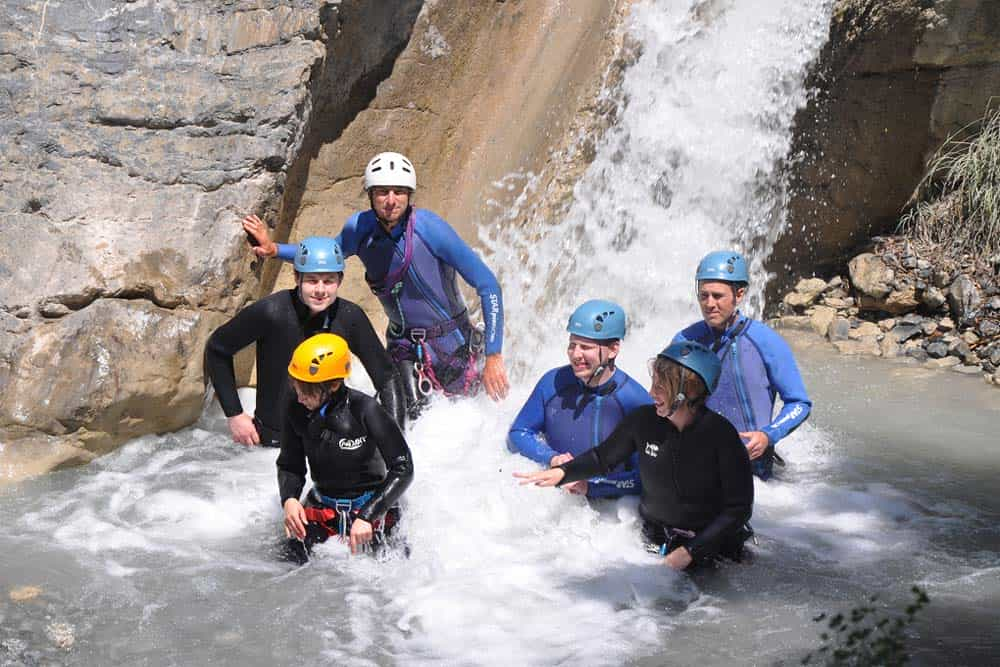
(564, 415)
(757, 366)
(429, 294)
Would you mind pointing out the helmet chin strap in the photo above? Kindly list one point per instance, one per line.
(601, 367)
(681, 397)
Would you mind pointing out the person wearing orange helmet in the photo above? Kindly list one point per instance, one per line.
(356, 454)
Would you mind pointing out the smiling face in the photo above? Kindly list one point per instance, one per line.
(389, 203)
(586, 354)
(718, 301)
(318, 290)
(670, 379)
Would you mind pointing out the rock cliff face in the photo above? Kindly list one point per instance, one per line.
(896, 78)
(134, 135)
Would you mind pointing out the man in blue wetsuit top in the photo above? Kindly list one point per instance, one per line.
(411, 258)
(757, 364)
(573, 408)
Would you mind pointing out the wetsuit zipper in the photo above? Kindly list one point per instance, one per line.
(425, 291)
(740, 388)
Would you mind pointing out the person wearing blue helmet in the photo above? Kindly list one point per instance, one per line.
(757, 364)
(412, 260)
(575, 407)
(697, 488)
(277, 324)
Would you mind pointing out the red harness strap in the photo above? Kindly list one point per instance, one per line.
(327, 518)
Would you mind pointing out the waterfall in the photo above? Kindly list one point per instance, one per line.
(693, 164)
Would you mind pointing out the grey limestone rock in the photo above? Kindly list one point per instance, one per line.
(840, 329)
(963, 297)
(937, 349)
(135, 135)
(904, 332)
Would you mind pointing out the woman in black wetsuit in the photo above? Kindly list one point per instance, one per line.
(358, 459)
(697, 489)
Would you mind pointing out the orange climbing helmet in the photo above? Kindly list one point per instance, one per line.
(322, 357)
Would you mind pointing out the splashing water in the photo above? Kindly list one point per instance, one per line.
(163, 552)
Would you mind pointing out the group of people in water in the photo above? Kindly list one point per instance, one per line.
(689, 447)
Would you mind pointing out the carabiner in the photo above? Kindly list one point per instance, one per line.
(424, 385)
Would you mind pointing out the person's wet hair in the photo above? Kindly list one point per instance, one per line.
(666, 373)
(316, 390)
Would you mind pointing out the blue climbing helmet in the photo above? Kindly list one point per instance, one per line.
(723, 265)
(698, 358)
(319, 254)
(598, 319)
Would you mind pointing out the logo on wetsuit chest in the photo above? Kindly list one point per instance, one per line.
(652, 448)
(352, 443)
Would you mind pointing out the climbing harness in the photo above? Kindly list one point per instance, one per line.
(344, 511)
(392, 284)
(427, 380)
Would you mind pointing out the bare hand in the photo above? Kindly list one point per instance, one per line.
(549, 477)
(256, 228)
(678, 559)
(295, 518)
(361, 534)
(757, 443)
(560, 459)
(577, 488)
(242, 428)
(495, 377)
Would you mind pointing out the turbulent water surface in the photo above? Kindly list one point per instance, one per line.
(163, 553)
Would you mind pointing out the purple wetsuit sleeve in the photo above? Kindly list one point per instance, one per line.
(527, 433)
(449, 247)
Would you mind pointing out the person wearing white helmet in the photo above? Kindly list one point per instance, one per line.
(411, 257)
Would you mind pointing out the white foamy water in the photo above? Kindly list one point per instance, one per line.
(163, 552)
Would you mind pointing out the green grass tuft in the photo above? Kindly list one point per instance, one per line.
(957, 204)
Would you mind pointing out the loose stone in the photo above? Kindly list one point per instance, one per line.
(988, 328)
(904, 332)
(937, 350)
(840, 329)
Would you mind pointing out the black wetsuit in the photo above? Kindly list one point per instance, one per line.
(278, 323)
(353, 447)
(697, 480)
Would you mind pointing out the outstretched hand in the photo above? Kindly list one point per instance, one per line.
(256, 228)
(495, 377)
(549, 477)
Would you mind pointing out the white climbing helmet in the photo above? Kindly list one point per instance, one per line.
(390, 169)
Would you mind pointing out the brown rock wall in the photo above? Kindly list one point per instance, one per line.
(895, 79)
(135, 134)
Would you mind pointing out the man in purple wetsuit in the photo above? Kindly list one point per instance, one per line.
(411, 257)
(757, 364)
